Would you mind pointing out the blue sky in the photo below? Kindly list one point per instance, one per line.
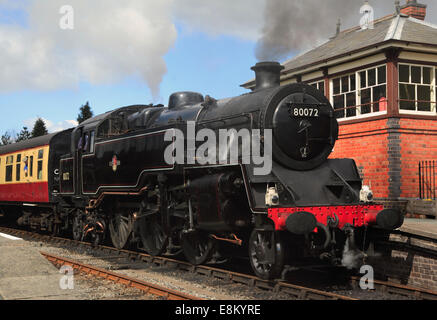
(213, 64)
(198, 62)
(203, 46)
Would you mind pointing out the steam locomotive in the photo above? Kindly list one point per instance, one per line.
(110, 179)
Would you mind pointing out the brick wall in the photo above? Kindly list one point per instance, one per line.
(414, 266)
(387, 153)
(366, 143)
(418, 143)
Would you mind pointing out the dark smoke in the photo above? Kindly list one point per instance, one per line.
(292, 26)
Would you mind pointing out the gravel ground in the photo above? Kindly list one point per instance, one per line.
(200, 286)
(190, 283)
(88, 287)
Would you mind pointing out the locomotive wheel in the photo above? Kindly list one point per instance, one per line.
(266, 254)
(197, 247)
(120, 228)
(153, 236)
(77, 228)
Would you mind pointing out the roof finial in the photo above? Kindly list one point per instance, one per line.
(338, 27)
(398, 7)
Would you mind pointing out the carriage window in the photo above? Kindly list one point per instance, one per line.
(31, 166)
(40, 170)
(9, 165)
(8, 173)
(18, 168)
(17, 172)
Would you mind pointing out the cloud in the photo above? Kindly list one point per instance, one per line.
(111, 40)
(50, 125)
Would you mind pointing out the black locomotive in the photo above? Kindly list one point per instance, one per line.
(117, 183)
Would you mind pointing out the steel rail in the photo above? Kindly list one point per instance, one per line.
(399, 289)
(295, 291)
(147, 287)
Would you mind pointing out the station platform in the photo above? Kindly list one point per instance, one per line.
(25, 274)
(421, 227)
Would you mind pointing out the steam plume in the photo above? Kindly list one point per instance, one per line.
(291, 26)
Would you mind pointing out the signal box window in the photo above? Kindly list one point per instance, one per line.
(320, 85)
(416, 88)
(345, 96)
(373, 91)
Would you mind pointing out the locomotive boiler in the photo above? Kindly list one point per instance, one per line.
(116, 181)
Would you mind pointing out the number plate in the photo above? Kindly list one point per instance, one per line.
(302, 111)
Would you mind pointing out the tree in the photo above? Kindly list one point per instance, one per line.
(85, 113)
(39, 129)
(23, 135)
(6, 139)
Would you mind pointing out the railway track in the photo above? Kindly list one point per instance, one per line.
(146, 287)
(294, 291)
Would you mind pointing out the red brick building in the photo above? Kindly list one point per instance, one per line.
(382, 83)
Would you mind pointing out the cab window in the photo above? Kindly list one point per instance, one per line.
(89, 138)
(92, 139)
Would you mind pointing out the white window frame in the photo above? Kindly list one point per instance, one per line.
(433, 85)
(331, 93)
(357, 92)
(377, 84)
(317, 85)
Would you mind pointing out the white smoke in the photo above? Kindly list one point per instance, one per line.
(111, 40)
(294, 26)
(352, 257)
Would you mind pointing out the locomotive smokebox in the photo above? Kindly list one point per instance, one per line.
(268, 75)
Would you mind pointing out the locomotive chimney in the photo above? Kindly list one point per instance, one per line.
(268, 75)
